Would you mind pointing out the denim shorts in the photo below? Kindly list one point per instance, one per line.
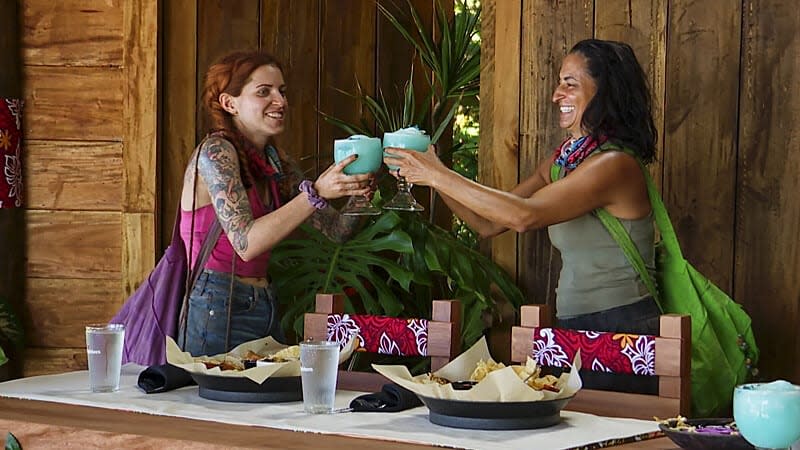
(642, 317)
(253, 315)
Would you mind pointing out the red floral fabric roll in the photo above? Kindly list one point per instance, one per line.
(380, 334)
(600, 351)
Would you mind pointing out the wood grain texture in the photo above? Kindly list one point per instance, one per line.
(74, 103)
(621, 404)
(58, 309)
(140, 111)
(73, 244)
(700, 132)
(73, 175)
(222, 27)
(642, 25)
(138, 258)
(179, 103)
(32, 435)
(498, 155)
(149, 426)
(348, 54)
(293, 37)
(141, 140)
(395, 56)
(46, 361)
(549, 30)
(72, 32)
(767, 210)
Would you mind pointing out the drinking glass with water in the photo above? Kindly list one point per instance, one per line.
(319, 363)
(104, 353)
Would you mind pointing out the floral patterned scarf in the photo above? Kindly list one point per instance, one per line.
(573, 151)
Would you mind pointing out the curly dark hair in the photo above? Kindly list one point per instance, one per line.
(621, 107)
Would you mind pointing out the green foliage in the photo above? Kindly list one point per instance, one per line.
(10, 329)
(394, 267)
(366, 263)
(400, 262)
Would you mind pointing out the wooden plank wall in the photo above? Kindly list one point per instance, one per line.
(724, 81)
(723, 76)
(90, 127)
(108, 138)
(324, 45)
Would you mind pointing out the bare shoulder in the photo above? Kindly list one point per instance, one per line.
(614, 164)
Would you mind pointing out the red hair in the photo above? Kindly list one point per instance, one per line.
(229, 75)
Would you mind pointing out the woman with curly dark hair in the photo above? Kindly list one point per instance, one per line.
(238, 176)
(604, 106)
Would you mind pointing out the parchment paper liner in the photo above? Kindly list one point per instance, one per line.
(264, 346)
(499, 386)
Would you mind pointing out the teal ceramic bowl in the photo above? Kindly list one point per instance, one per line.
(368, 149)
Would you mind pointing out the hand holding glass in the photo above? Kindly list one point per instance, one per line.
(104, 352)
(768, 414)
(369, 161)
(410, 139)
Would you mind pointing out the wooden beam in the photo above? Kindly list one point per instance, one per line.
(498, 158)
(549, 30)
(72, 32)
(179, 103)
(140, 153)
(767, 210)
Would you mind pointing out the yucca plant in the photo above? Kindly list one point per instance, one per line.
(399, 262)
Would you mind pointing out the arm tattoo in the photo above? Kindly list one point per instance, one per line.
(219, 168)
(328, 221)
(334, 225)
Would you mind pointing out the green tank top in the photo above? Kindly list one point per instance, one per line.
(595, 274)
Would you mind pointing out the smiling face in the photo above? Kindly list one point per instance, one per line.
(258, 112)
(575, 90)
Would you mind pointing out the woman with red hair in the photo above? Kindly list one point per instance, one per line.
(239, 177)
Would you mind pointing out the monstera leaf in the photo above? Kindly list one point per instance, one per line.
(456, 271)
(365, 265)
(394, 267)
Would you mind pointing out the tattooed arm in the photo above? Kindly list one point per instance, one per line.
(218, 168)
(328, 221)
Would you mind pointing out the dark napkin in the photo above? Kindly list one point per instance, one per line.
(163, 378)
(391, 398)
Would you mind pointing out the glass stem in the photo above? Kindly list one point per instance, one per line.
(402, 185)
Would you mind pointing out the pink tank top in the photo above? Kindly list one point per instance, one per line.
(221, 255)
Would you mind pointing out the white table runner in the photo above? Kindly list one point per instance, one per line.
(575, 429)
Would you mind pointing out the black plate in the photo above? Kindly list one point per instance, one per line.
(494, 415)
(245, 390)
(703, 441)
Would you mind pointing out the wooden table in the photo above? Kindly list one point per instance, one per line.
(39, 424)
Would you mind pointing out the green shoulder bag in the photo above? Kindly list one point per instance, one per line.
(724, 350)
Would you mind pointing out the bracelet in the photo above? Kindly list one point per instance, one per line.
(314, 199)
